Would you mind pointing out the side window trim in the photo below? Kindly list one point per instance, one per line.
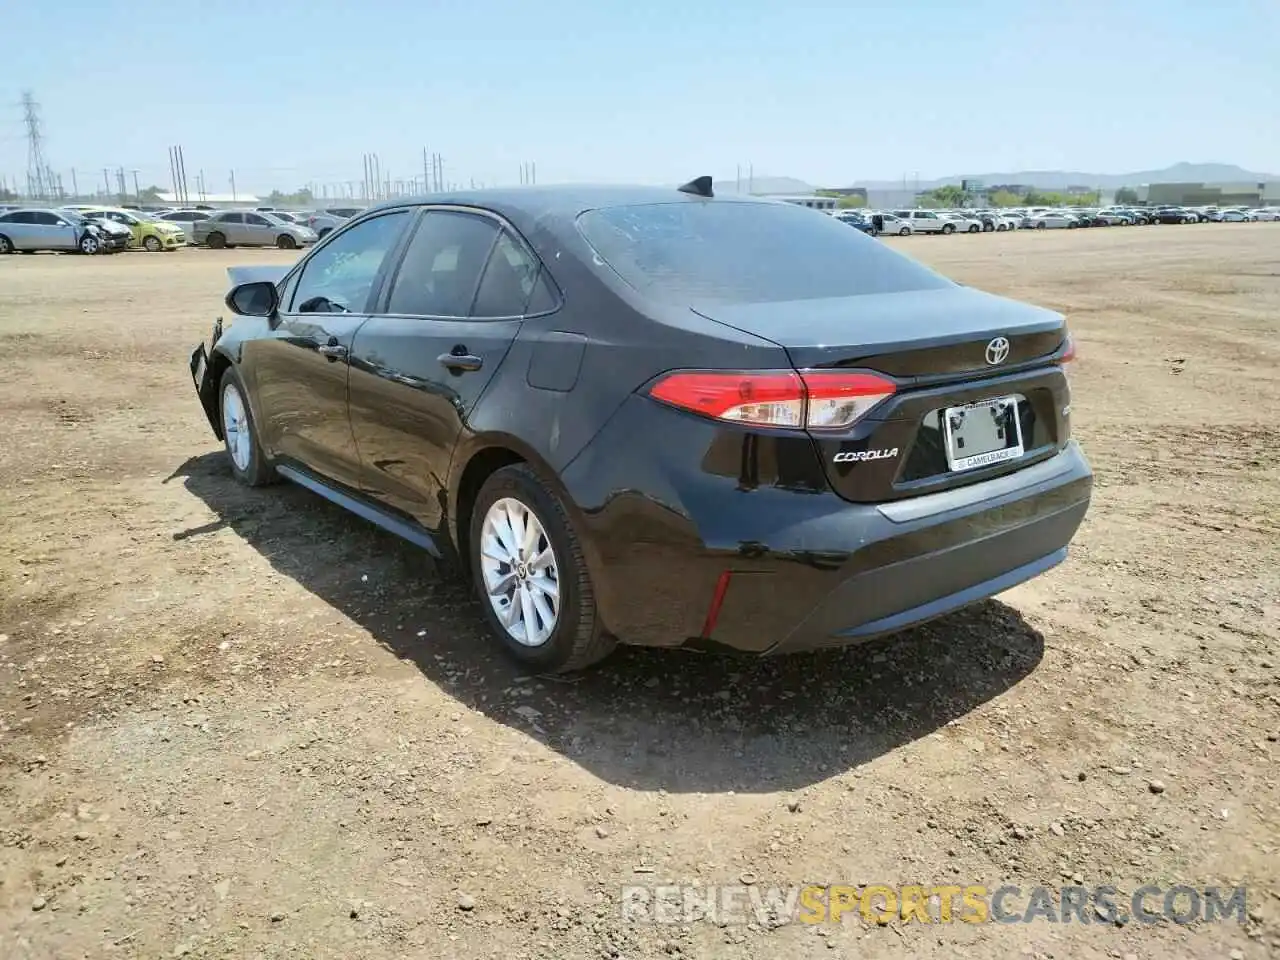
(380, 305)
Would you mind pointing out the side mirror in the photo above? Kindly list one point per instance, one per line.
(257, 299)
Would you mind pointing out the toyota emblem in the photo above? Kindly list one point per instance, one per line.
(997, 350)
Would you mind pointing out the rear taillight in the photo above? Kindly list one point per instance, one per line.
(812, 399)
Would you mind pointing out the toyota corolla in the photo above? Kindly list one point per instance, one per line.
(657, 416)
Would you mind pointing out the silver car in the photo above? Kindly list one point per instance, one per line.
(330, 219)
(249, 228)
(61, 230)
(187, 219)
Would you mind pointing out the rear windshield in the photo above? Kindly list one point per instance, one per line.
(686, 252)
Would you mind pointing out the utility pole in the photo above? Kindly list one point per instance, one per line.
(106, 184)
(233, 186)
(137, 190)
(182, 175)
(75, 189)
(200, 184)
(38, 172)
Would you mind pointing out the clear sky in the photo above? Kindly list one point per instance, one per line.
(287, 92)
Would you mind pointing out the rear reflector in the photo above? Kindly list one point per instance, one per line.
(717, 601)
(812, 399)
(1068, 358)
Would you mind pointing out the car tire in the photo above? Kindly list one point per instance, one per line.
(240, 433)
(948, 228)
(6, 245)
(975, 229)
(904, 232)
(1040, 225)
(152, 244)
(216, 241)
(286, 242)
(576, 638)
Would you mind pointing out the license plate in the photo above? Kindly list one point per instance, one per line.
(980, 434)
(198, 368)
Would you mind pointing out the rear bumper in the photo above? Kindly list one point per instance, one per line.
(805, 568)
(932, 555)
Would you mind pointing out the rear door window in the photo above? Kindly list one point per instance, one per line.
(744, 252)
(442, 265)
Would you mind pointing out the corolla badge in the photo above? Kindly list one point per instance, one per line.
(997, 350)
(855, 456)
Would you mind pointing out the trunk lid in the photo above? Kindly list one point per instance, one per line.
(943, 349)
(920, 333)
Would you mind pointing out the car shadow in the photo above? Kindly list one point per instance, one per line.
(646, 719)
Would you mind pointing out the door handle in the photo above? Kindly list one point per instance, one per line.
(332, 351)
(460, 361)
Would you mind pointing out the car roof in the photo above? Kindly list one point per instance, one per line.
(561, 201)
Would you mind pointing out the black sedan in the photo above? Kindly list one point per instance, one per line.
(658, 416)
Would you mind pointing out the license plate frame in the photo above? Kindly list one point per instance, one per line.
(963, 423)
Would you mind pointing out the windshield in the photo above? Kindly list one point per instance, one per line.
(745, 253)
(272, 217)
(72, 216)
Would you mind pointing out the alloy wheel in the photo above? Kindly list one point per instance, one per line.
(235, 427)
(521, 576)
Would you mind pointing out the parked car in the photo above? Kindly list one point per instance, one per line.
(893, 225)
(1237, 216)
(1052, 220)
(116, 237)
(1113, 218)
(584, 443)
(927, 221)
(329, 219)
(26, 231)
(1265, 213)
(248, 228)
(150, 235)
(1174, 215)
(965, 223)
(858, 221)
(187, 219)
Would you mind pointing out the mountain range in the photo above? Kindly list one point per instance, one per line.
(1061, 179)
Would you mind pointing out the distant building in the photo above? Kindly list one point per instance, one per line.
(1245, 193)
(211, 199)
(812, 201)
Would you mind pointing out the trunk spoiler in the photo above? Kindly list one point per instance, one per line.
(256, 274)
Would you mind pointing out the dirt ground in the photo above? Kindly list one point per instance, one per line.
(244, 724)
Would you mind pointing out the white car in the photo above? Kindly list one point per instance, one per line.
(1237, 216)
(896, 225)
(1053, 220)
(964, 224)
(1265, 213)
(926, 221)
(1008, 221)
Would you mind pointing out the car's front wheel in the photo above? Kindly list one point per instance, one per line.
(240, 434)
(286, 242)
(89, 245)
(528, 567)
(6, 245)
(904, 232)
(152, 244)
(216, 241)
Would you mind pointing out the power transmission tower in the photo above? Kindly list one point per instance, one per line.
(40, 181)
